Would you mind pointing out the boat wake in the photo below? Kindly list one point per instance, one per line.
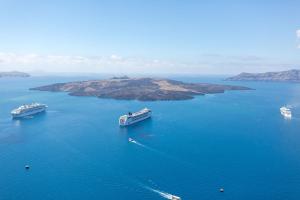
(135, 142)
(146, 147)
(159, 152)
(293, 105)
(164, 194)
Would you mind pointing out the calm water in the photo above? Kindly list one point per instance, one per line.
(237, 140)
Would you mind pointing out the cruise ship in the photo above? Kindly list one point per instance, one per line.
(286, 112)
(135, 117)
(28, 109)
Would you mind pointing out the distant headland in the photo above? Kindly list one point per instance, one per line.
(282, 76)
(142, 89)
(14, 74)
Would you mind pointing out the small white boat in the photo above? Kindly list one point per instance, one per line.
(286, 112)
(173, 197)
(130, 140)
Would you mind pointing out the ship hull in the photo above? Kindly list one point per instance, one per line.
(135, 121)
(286, 115)
(130, 121)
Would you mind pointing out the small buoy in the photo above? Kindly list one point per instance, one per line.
(221, 189)
(27, 166)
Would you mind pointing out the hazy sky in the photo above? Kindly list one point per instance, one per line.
(149, 36)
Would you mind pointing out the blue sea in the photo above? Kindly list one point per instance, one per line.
(76, 150)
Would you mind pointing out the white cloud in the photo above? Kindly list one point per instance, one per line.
(298, 33)
(115, 57)
(203, 64)
(298, 37)
(63, 63)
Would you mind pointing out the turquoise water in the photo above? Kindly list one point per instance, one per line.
(237, 141)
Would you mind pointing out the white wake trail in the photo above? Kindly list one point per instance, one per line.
(159, 152)
(164, 194)
(137, 143)
(148, 148)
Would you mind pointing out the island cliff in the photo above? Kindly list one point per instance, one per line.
(14, 74)
(143, 89)
(283, 76)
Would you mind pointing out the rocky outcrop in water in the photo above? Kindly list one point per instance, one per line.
(143, 89)
(14, 74)
(283, 76)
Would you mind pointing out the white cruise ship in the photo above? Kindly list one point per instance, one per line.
(286, 112)
(132, 118)
(28, 109)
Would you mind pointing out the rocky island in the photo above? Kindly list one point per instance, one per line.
(13, 74)
(283, 76)
(143, 89)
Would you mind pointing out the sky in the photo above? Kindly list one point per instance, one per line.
(149, 36)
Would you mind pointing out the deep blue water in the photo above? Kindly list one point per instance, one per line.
(237, 140)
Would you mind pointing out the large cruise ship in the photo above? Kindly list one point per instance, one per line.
(286, 112)
(135, 117)
(28, 109)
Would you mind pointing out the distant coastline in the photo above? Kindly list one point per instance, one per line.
(282, 76)
(14, 74)
(142, 89)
